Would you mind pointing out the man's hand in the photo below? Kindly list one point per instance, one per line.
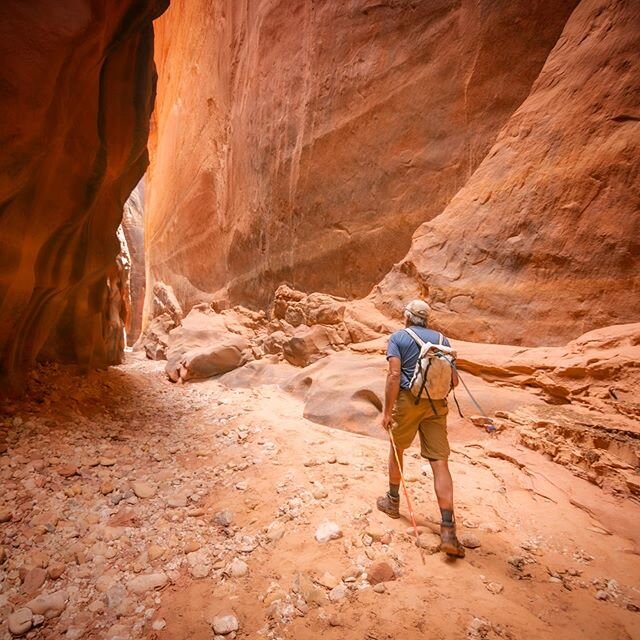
(386, 421)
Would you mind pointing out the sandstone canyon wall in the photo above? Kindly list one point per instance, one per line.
(305, 141)
(133, 228)
(77, 84)
(543, 242)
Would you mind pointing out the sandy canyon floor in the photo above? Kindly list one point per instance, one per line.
(143, 509)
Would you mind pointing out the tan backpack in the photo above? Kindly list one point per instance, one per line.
(433, 375)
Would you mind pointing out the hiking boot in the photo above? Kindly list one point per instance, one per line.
(389, 505)
(449, 541)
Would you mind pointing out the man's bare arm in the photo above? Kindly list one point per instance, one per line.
(391, 391)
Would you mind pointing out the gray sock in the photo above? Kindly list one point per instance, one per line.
(447, 517)
(394, 490)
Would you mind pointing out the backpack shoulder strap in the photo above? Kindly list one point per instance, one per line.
(441, 340)
(416, 337)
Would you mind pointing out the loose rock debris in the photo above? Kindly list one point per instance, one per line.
(121, 517)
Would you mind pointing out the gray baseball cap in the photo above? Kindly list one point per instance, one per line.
(418, 308)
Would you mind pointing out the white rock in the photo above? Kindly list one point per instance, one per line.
(338, 593)
(118, 632)
(470, 540)
(143, 489)
(225, 624)
(319, 492)
(199, 563)
(328, 531)
(49, 605)
(237, 568)
(275, 530)
(247, 544)
(115, 596)
(38, 620)
(177, 500)
(328, 580)
(147, 582)
(223, 518)
(20, 621)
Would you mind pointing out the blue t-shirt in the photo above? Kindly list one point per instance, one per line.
(402, 345)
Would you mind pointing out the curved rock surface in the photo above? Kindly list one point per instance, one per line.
(207, 344)
(133, 227)
(76, 92)
(305, 142)
(541, 244)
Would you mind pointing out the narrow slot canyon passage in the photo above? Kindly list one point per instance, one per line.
(213, 218)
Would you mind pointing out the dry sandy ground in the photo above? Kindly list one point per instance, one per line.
(557, 557)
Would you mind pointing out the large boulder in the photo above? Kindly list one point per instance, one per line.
(217, 357)
(208, 343)
(343, 390)
(164, 301)
(308, 344)
(155, 339)
(296, 307)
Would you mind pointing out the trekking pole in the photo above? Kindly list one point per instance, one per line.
(489, 426)
(406, 495)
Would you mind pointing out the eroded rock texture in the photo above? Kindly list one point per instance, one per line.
(542, 243)
(76, 91)
(133, 227)
(305, 141)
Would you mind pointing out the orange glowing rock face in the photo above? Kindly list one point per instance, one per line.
(76, 92)
(305, 142)
(541, 244)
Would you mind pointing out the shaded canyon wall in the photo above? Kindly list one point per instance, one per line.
(77, 85)
(306, 141)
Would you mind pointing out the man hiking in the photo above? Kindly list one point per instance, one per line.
(405, 417)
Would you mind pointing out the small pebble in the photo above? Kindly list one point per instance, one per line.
(225, 624)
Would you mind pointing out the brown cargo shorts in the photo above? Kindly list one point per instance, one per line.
(409, 418)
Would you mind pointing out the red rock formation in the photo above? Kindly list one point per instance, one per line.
(76, 91)
(306, 141)
(133, 227)
(542, 244)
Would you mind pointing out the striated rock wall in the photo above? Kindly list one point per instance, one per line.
(133, 228)
(305, 141)
(76, 92)
(542, 243)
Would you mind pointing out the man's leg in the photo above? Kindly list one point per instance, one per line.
(434, 445)
(404, 428)
(390, 503)
(443, 485)
(395, 471)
